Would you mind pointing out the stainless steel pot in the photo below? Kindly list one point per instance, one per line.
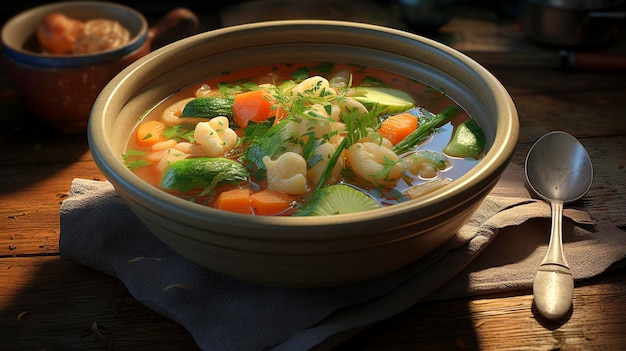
(572, 23)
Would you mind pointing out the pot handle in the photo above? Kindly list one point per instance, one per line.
(182, 17)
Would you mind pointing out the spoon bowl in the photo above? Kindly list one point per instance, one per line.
(559, 170)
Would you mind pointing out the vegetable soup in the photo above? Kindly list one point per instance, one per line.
(304, 139)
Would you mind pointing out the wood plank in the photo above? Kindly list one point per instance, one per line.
(30, 226)
(544, 103)
(53, 304)
(506, 323)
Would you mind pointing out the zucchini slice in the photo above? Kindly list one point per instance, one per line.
(202, 173)
(390, 100)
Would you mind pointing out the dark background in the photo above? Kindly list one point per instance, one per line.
(209, 9)
(152, 9)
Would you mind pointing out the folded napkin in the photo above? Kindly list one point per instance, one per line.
(499, 249)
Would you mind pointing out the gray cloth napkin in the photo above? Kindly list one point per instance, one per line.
(499, 249)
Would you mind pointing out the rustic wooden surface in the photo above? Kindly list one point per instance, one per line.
(50, 304)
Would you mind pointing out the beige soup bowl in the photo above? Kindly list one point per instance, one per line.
(303, 251)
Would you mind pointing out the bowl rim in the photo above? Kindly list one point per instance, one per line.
(17, 53)
(282, 228)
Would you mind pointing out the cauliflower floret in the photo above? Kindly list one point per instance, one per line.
(215, 136)
(287, 173)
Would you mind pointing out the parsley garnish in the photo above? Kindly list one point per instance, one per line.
(387, 166)
(130, 162)
(325, 68)
(178, 133)
(301, 73)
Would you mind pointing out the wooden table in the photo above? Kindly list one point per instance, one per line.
(47, 303)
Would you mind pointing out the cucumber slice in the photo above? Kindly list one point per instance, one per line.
(209, 107)
(337, 199)
(389, 99)
(202, 173)
(468, 141)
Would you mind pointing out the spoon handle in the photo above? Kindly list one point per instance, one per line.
(553, 286)
(555, 246)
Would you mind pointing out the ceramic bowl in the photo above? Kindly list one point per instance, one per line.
(303, 251)
(60, 89)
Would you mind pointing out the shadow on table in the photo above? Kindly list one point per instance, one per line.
(425, 324)
(29, 150)
(64, 306)
(60, 305)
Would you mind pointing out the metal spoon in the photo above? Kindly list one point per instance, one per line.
(559, 170)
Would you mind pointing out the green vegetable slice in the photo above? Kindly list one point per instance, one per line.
(202, 173)
(468, 141)
(337, 199)
(390, 100)
(209, 107)
(427, 123)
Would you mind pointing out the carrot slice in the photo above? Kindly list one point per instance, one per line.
(149, 133)
(234, 200)
(397, 127)
(270, 202)
(251, 106)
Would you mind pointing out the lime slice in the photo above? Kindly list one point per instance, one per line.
(389, 99)
(337, 199)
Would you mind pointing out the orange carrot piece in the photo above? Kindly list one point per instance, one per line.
(234, 200)
(270, 202)
(149, 133)
(397, 127)
(251, 106)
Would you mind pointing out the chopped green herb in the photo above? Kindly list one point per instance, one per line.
(325, 68)
(387, 166)
(301, 73)
(133, 152)
(137, 164)
(179, 133)
(131, 161)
